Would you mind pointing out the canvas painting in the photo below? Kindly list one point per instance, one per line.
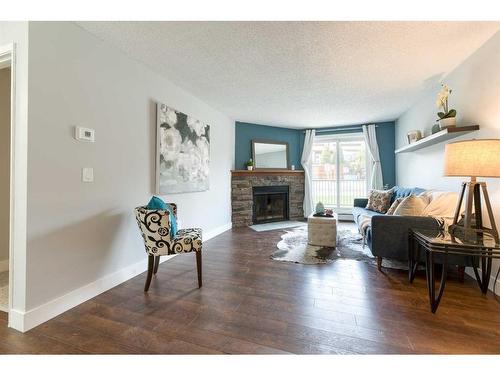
(183, 152)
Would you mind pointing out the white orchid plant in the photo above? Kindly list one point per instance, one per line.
(442, 102)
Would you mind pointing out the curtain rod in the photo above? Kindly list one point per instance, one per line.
(339, 128)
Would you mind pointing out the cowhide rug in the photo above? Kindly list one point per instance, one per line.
(293, 247)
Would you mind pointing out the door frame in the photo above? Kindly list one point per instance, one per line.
(7, 59)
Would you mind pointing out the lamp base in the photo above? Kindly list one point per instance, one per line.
(472, 224)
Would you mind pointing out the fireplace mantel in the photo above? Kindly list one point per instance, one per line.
(266, 172)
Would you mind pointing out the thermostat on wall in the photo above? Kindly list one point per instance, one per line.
(84, 134)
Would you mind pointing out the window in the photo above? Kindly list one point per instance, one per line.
(340, 171)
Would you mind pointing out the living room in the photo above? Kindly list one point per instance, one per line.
(249, 187)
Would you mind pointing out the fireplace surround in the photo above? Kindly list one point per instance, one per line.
(242, 193)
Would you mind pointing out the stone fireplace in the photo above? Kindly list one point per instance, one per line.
(266, 195)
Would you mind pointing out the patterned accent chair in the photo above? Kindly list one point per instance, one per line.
(155, 230)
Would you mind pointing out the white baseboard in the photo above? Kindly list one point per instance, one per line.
(24, 321)
(215, 232)
(4, 265)
(469, 271)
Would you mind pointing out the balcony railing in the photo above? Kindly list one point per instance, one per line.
(325, 191)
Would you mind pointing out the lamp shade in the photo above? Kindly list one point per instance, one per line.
(475, 158)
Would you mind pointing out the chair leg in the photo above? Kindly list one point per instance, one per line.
(379, 263)
(461, 273)
(198, 268)
(157, 263)
(151, 262)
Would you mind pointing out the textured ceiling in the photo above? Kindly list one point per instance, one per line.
(300, 74)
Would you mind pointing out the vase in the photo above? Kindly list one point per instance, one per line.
(436, 128)
(250, 167)
(449, 122)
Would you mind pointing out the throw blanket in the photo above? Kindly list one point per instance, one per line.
(364, 224)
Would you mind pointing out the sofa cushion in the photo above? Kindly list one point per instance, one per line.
(401, 192)
(379, 200)
(412, 206)
(442, 203)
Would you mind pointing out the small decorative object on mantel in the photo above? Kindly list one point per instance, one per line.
(292, 167)
(414, 136)
(447, 118)
(249, 164)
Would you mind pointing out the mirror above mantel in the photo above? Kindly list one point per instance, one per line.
(270, 154)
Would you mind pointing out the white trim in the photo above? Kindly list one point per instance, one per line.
(216, 231)
(16, 320)
(24, 321)
(4, 265)
(27, 320)
(8, 58)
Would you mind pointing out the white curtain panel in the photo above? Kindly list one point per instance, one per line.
(371, 141)
(306, 162)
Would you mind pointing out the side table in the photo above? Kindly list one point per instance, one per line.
(441, 244)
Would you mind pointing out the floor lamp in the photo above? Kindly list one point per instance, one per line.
(474, 158)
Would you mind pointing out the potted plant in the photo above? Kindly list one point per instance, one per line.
(448, 116)
(249, 164)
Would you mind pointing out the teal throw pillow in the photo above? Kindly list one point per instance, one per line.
(156, 203)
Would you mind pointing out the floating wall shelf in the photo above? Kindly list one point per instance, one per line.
(440, 136)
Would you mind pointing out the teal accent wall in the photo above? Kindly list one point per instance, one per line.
(245, 132)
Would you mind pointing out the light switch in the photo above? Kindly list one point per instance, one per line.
(87, 174)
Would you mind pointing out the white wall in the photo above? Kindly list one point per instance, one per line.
(77, 232)
(476, 97)
(4, 164)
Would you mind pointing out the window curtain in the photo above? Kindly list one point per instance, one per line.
(371, 141)
(306, 162)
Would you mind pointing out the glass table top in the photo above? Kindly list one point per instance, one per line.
(443, 237)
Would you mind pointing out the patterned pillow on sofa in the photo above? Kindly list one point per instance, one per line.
(379, 200)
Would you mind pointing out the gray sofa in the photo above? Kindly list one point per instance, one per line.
(387, 236)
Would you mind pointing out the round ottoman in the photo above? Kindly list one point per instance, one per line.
(322, 230)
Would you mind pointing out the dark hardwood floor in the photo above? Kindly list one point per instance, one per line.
(250, 304)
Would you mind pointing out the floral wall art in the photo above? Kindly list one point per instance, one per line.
(183, 152)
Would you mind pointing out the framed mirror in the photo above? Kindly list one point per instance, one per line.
(270, 154)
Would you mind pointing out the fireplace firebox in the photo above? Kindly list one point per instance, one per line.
(270, 203)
